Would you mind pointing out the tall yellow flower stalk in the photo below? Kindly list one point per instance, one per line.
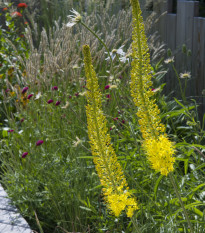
(115, 187)
(156, 144)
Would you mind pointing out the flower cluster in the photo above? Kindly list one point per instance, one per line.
(22, 5)
(156, 144)
(115, 187)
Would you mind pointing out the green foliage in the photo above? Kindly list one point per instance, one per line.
(55, 185)
(13, 47)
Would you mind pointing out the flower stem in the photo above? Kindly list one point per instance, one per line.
(180, 200)
(136, 228)
(185, 88)
(105, 46)
(180, 85)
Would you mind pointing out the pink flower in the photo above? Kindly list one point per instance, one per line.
(55, 88)
(107, 87)
(70, 97)
(29, 96)
(24, 154)
(77, 94)
(7, 90)
(10, 131)
(108, 96)
(22, 120)
(50, 101)
(57, 103)
(16, 14)
(24, 90)
(123, 121)
(39, 142)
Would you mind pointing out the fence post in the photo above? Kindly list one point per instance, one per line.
(199, 61)
(160, 8)
(186, 11)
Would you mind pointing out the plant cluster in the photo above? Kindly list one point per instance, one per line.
(89, 140)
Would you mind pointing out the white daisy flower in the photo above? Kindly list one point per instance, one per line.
(169, 60)
(185, 75)
(74, 19)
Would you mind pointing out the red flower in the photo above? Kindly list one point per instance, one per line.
(39, 142)
(10, 131)
(29, 96)
(107, 87)
(22, 5)
(24, 154)
(5, 9)
(16, 14)
(57, 103)
(24, 90)
(55, 88)
(26, 23)
(50, 101)
(108, 96)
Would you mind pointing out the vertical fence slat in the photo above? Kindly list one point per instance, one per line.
(170, 5)
(160, 7)
(184, 28)
(171, 44)
(186, 11)
(198, 54)
(203, 63)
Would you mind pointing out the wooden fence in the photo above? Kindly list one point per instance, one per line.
(184, 28)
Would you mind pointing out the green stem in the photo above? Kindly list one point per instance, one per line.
(180, 200)
(105, 46)
(180, 85)
(185, 88)
(136, 230)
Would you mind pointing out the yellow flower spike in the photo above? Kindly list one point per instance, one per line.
(156, 144)
(115, 187)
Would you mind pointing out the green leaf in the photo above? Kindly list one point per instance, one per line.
(192, 207)
(85, 157)
(85, 208)
(4, 133)
(156, 186)
(194, 190)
